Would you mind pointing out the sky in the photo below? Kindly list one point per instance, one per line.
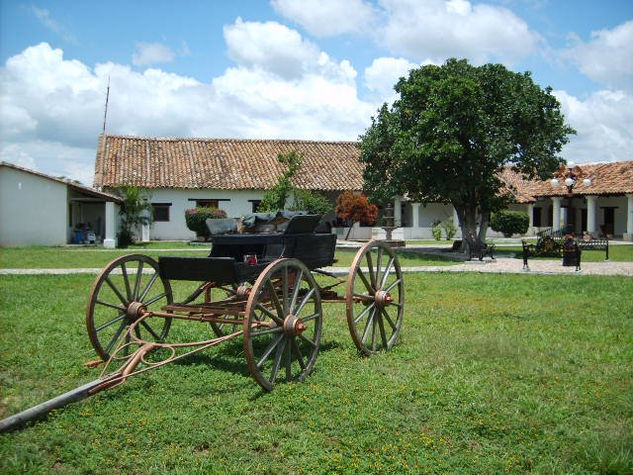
(288, 69)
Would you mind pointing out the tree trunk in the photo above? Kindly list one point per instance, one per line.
(349, 231)
(467, 215)
(483, 226)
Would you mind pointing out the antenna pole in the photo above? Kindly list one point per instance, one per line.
(105, 112)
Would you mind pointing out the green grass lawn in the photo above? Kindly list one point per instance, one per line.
(493, 374)
(83, 257)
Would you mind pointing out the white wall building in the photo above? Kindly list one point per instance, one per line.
(38, 209)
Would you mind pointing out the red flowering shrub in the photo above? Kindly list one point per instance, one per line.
(196, 219)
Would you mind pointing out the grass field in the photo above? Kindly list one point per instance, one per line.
(493, 374)
(81, 257)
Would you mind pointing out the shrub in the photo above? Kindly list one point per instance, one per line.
(449, 228)
(124, 238)
(306, 200)
(196, 219)
(510, 222)
(353, 207)
(436, 230)
(135, 212)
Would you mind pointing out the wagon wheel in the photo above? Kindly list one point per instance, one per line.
(374, 299)
(234, 292)
(282, 325)
(119, 296)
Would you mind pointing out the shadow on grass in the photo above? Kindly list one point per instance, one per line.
(230, 357)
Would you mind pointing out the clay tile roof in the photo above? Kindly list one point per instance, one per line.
(612, 178)
(226, 164)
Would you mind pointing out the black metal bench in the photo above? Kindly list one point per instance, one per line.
(594, 244)
(568, 250)
(480, 250)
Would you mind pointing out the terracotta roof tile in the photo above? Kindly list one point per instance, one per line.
(238, 164)
(223, 163)
(606, 179)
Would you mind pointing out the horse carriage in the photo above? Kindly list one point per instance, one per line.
(266, 288)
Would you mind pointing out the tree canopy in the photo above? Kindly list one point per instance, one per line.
(453, 128)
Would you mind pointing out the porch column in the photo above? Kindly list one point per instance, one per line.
(397, 212)
(629, 218)
(556, 200)
(591, 213)
(530, 213)
(110, 225)
(415, 214)
(145, 232)
(456, 223)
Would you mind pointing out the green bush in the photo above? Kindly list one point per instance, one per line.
(510, 222)
(449, 228)
(306, 200)
(196, 219)
(436, 230)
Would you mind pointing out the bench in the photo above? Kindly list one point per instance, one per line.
(593, 244)
(568, 250)
(480, 250)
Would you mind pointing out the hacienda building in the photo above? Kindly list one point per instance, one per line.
(41, 210)
(233, 174)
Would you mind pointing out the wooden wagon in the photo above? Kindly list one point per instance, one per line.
(268, 289)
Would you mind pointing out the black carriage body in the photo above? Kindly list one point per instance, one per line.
(226, 262)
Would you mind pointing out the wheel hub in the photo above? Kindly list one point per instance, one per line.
(135, 311)
(293, 326)
(243, 292)
(383, 298)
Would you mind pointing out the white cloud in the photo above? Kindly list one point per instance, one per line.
(44, 16)
(608, 57)
(53, 158)
(383, 73)
(603, 122)
(436, 30)
(151, 53)
(277, 49)
(328, 17)
(51, 108)
(429, 30)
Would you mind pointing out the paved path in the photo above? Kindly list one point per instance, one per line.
(500, 265)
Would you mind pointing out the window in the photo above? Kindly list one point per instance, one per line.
(160, 211)
(254, 205)
(536, 217)
(208, 202)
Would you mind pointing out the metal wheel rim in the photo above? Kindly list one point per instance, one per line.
(131, 287)
(374, 326)
(271, 353)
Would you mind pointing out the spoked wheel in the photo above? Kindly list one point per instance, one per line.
(282, 325)
(374, 299)
(122, 293)
(234, 292)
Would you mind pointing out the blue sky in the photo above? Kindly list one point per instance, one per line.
(307, 69)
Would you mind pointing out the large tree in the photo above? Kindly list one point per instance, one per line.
(453, 128)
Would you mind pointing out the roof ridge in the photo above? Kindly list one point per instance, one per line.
(229, 139)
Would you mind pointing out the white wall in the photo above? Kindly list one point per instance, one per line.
(238, 205)
(33, 210)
